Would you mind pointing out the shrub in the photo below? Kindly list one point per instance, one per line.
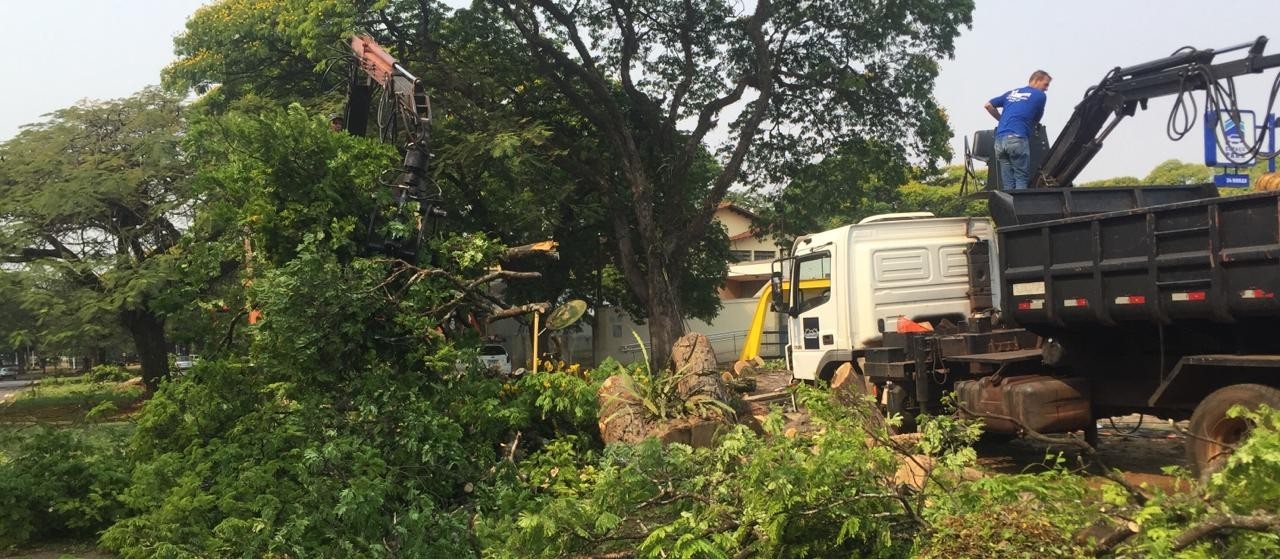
(61, 483)
(108, 373)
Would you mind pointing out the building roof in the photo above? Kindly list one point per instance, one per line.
(737, 209)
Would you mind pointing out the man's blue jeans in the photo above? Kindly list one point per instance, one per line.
(1013, 154)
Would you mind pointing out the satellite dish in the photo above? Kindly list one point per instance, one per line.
(566, 314)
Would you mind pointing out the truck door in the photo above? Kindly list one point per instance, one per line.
(813, 316)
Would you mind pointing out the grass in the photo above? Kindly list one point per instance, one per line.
(99, 434)
(68, 399)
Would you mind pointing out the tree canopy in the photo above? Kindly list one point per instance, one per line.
(621, 121)
(95, 198)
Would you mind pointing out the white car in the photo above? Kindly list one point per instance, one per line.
(8, 373)
(495, 357)
(184, 362)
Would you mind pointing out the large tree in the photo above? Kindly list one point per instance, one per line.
(96, 195)
(767, 87)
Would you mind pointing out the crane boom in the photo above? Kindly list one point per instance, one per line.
(410, 115)
(1123, 90)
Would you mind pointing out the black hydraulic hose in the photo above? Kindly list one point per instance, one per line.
(1112, 421)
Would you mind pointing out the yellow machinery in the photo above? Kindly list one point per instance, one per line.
(751, 347)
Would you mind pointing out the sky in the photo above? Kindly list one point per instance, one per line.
(58, 52)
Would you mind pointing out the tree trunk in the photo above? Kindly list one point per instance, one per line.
(666, 322)
(147, 330)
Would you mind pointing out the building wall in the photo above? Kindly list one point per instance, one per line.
(727, 332)
(513, 335)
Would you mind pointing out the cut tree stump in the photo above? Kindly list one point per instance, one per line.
(850, 389)
(624, 418)
(695, 362)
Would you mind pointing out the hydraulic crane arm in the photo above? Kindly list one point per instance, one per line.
(1123, 90)
(410, 115)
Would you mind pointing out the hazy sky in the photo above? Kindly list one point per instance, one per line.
(59, 51)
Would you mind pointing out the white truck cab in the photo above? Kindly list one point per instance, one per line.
(851, 284)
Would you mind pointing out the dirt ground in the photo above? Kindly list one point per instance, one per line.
(58, 551)
(1139, 446)
(1140, 450)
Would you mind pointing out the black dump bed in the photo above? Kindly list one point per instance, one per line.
(1213, 258)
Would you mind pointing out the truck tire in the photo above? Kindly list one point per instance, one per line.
(1213, 433)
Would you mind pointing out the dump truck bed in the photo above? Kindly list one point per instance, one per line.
(1213, 259)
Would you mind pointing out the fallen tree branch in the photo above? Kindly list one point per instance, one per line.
(1258, 522)
(519, 310)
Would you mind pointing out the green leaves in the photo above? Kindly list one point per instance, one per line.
(61, 483)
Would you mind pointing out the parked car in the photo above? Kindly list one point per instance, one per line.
(184, 362)
(496, 358)
(8, 373)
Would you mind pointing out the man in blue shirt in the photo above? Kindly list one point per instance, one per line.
(1023, 108)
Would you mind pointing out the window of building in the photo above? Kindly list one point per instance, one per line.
(740, 256)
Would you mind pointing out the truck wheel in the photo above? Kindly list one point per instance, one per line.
(1213, 434)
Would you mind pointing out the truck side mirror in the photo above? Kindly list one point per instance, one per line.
(778, 299)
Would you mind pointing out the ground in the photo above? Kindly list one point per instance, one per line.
(1140, 450)
(58, 551)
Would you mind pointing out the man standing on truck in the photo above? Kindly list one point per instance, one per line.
(1023, 108)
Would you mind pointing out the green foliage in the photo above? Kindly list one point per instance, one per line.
(1249, 484)
(1017, 516)
(60, 483)
(284, 175)
(108, 373)
(661, 397)
(1115, 181)
(1174, 172)
(860, 181)
(819, 496)
(564, 402)
(68, 398)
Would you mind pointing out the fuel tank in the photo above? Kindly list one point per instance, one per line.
(1042, 403)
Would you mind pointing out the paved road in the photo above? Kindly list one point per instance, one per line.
(10, 387)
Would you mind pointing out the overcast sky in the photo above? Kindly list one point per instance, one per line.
(60, 51)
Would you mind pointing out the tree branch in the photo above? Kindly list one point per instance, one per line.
(1258, 522)
(611, 121)
(630, 47)
(687, 67)
(763, 82)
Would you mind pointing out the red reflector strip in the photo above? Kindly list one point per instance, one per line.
(1075, 302)
(1187, 296)
(1031, 304)
(1131, 300)
(1256, 294)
